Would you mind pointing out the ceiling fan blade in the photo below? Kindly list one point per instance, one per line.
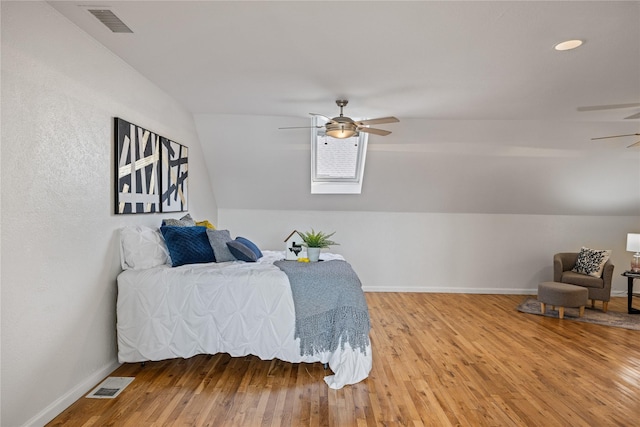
(633, 116)
(634, 145)
(608, 107)
(378, 121)
(374, 131)
(615, 136)
(302, 127)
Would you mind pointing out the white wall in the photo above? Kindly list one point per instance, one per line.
(445, 252)
(60, 92)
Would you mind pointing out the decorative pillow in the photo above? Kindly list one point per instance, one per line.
(591, 261)
(142, 247)
(241, 251)
(187, 245)
(207, 224)
(248, 243)
(185, 221)
(218, 240)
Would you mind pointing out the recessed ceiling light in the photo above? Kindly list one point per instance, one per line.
(568, 45)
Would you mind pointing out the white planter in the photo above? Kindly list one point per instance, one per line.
(313, 254)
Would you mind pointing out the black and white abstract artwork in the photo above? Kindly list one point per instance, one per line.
(137, 161)
(151, 171)
(175, 174)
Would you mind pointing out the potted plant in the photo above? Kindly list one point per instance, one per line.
(315, 241)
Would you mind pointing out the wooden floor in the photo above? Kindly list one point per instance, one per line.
(439, 360)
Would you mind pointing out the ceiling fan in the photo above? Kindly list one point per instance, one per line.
(345, 127)
(620, 136)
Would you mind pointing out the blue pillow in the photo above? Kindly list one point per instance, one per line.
(248, 243)
(187, 245)
(241, 252)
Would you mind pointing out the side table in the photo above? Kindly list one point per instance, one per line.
(630, 275)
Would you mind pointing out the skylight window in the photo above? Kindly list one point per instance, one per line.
(337, 165)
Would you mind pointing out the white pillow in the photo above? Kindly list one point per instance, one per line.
(142, 247)
(591, 261)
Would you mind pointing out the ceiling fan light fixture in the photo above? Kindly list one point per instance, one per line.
(568, 45)
(341, 130)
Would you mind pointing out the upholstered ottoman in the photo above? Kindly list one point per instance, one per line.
(562, 295)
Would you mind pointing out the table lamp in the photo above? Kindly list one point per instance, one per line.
(633, 245)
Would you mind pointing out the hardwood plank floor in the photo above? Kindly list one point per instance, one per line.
(439, 360)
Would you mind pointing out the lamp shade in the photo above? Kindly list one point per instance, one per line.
(633, 242)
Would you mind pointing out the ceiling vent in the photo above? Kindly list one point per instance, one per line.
(110, 20)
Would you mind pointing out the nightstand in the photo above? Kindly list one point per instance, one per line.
(630, 275)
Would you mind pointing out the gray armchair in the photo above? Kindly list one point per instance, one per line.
(599, 287)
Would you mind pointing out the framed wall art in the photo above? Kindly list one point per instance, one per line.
(137, 161)
(175, 174)
(151, 171)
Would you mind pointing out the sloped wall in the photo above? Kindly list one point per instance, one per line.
(464, 166)
(60, 92)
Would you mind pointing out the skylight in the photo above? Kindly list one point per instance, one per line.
(337, 165)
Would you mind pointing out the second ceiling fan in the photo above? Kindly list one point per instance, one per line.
(345, 127)
(620, 136)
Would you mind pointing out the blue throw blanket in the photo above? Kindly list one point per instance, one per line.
(329, 304)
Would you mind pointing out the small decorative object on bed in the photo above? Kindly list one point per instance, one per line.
(315, 242)
(238, 307)
(293, 249)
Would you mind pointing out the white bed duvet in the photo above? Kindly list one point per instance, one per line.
(234, 307)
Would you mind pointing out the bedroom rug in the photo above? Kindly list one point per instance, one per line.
(610, 318)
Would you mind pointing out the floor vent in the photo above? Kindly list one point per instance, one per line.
(110, 388)
(110, 19)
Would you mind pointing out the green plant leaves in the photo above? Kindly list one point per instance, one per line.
(312, 239)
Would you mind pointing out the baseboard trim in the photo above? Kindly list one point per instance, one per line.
(502, 291)
(62, 403)
(499, 291)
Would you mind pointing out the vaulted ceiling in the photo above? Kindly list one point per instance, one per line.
(492, 118)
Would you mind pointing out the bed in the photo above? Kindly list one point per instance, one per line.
(235, 307)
